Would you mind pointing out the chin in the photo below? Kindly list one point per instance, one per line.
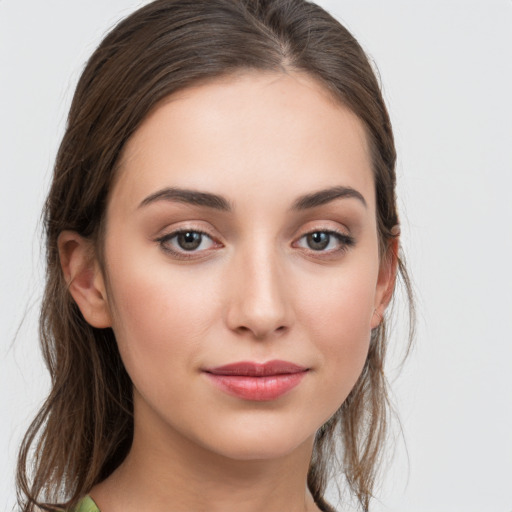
(261, 450)
(254, 440)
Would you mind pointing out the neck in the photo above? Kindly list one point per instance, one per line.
(166, 471)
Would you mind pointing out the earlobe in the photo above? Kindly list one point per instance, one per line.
(84, 278)
(386, 282)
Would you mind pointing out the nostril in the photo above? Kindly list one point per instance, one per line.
(260, 332)
(262, 312)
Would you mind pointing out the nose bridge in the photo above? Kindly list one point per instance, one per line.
(259, 302)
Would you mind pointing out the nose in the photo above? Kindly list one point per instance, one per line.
(258, 304)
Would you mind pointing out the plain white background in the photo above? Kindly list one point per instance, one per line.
(446, 69)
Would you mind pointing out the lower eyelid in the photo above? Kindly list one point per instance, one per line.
(344, 241)
(168, 243)
(174, 234)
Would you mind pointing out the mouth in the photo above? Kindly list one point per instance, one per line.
(256, 381)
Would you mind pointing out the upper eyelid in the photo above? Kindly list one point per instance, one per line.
(164, 242)
(336, 234)
(323, 230)
(178, 231)
(171, 234)
(169, 231)
(331, 230)
(322, 224)
(345, 240)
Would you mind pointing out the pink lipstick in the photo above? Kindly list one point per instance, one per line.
(255, 381)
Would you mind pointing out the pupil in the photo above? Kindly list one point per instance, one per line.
(318, 241)
(189, 240)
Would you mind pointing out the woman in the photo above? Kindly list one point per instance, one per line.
(222, 242)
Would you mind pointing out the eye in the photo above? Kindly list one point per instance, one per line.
(186, 241)
(189, 240)
(325, 241)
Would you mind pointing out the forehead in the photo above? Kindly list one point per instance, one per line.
(254, 132)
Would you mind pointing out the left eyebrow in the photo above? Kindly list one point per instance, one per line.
(326, 196)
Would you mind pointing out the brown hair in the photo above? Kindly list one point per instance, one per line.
(84, 429)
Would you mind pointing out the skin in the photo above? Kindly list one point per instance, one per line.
(254, 290)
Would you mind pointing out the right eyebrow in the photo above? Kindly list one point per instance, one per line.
(188, 196)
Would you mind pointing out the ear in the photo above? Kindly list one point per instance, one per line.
(84, 278)
(385, 281)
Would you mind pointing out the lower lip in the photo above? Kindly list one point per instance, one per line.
(258, 389)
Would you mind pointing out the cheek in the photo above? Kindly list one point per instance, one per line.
(160, 316)
(342, 305)
(338, 320)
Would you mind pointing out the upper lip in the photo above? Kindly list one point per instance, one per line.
(251, 369)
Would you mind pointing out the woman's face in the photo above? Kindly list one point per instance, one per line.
(243, 268)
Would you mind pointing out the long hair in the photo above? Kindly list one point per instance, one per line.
(85, 427)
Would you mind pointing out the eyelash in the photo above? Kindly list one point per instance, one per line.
(183, 254)
(344, 243)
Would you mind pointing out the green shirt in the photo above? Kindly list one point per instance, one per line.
(86, 505)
